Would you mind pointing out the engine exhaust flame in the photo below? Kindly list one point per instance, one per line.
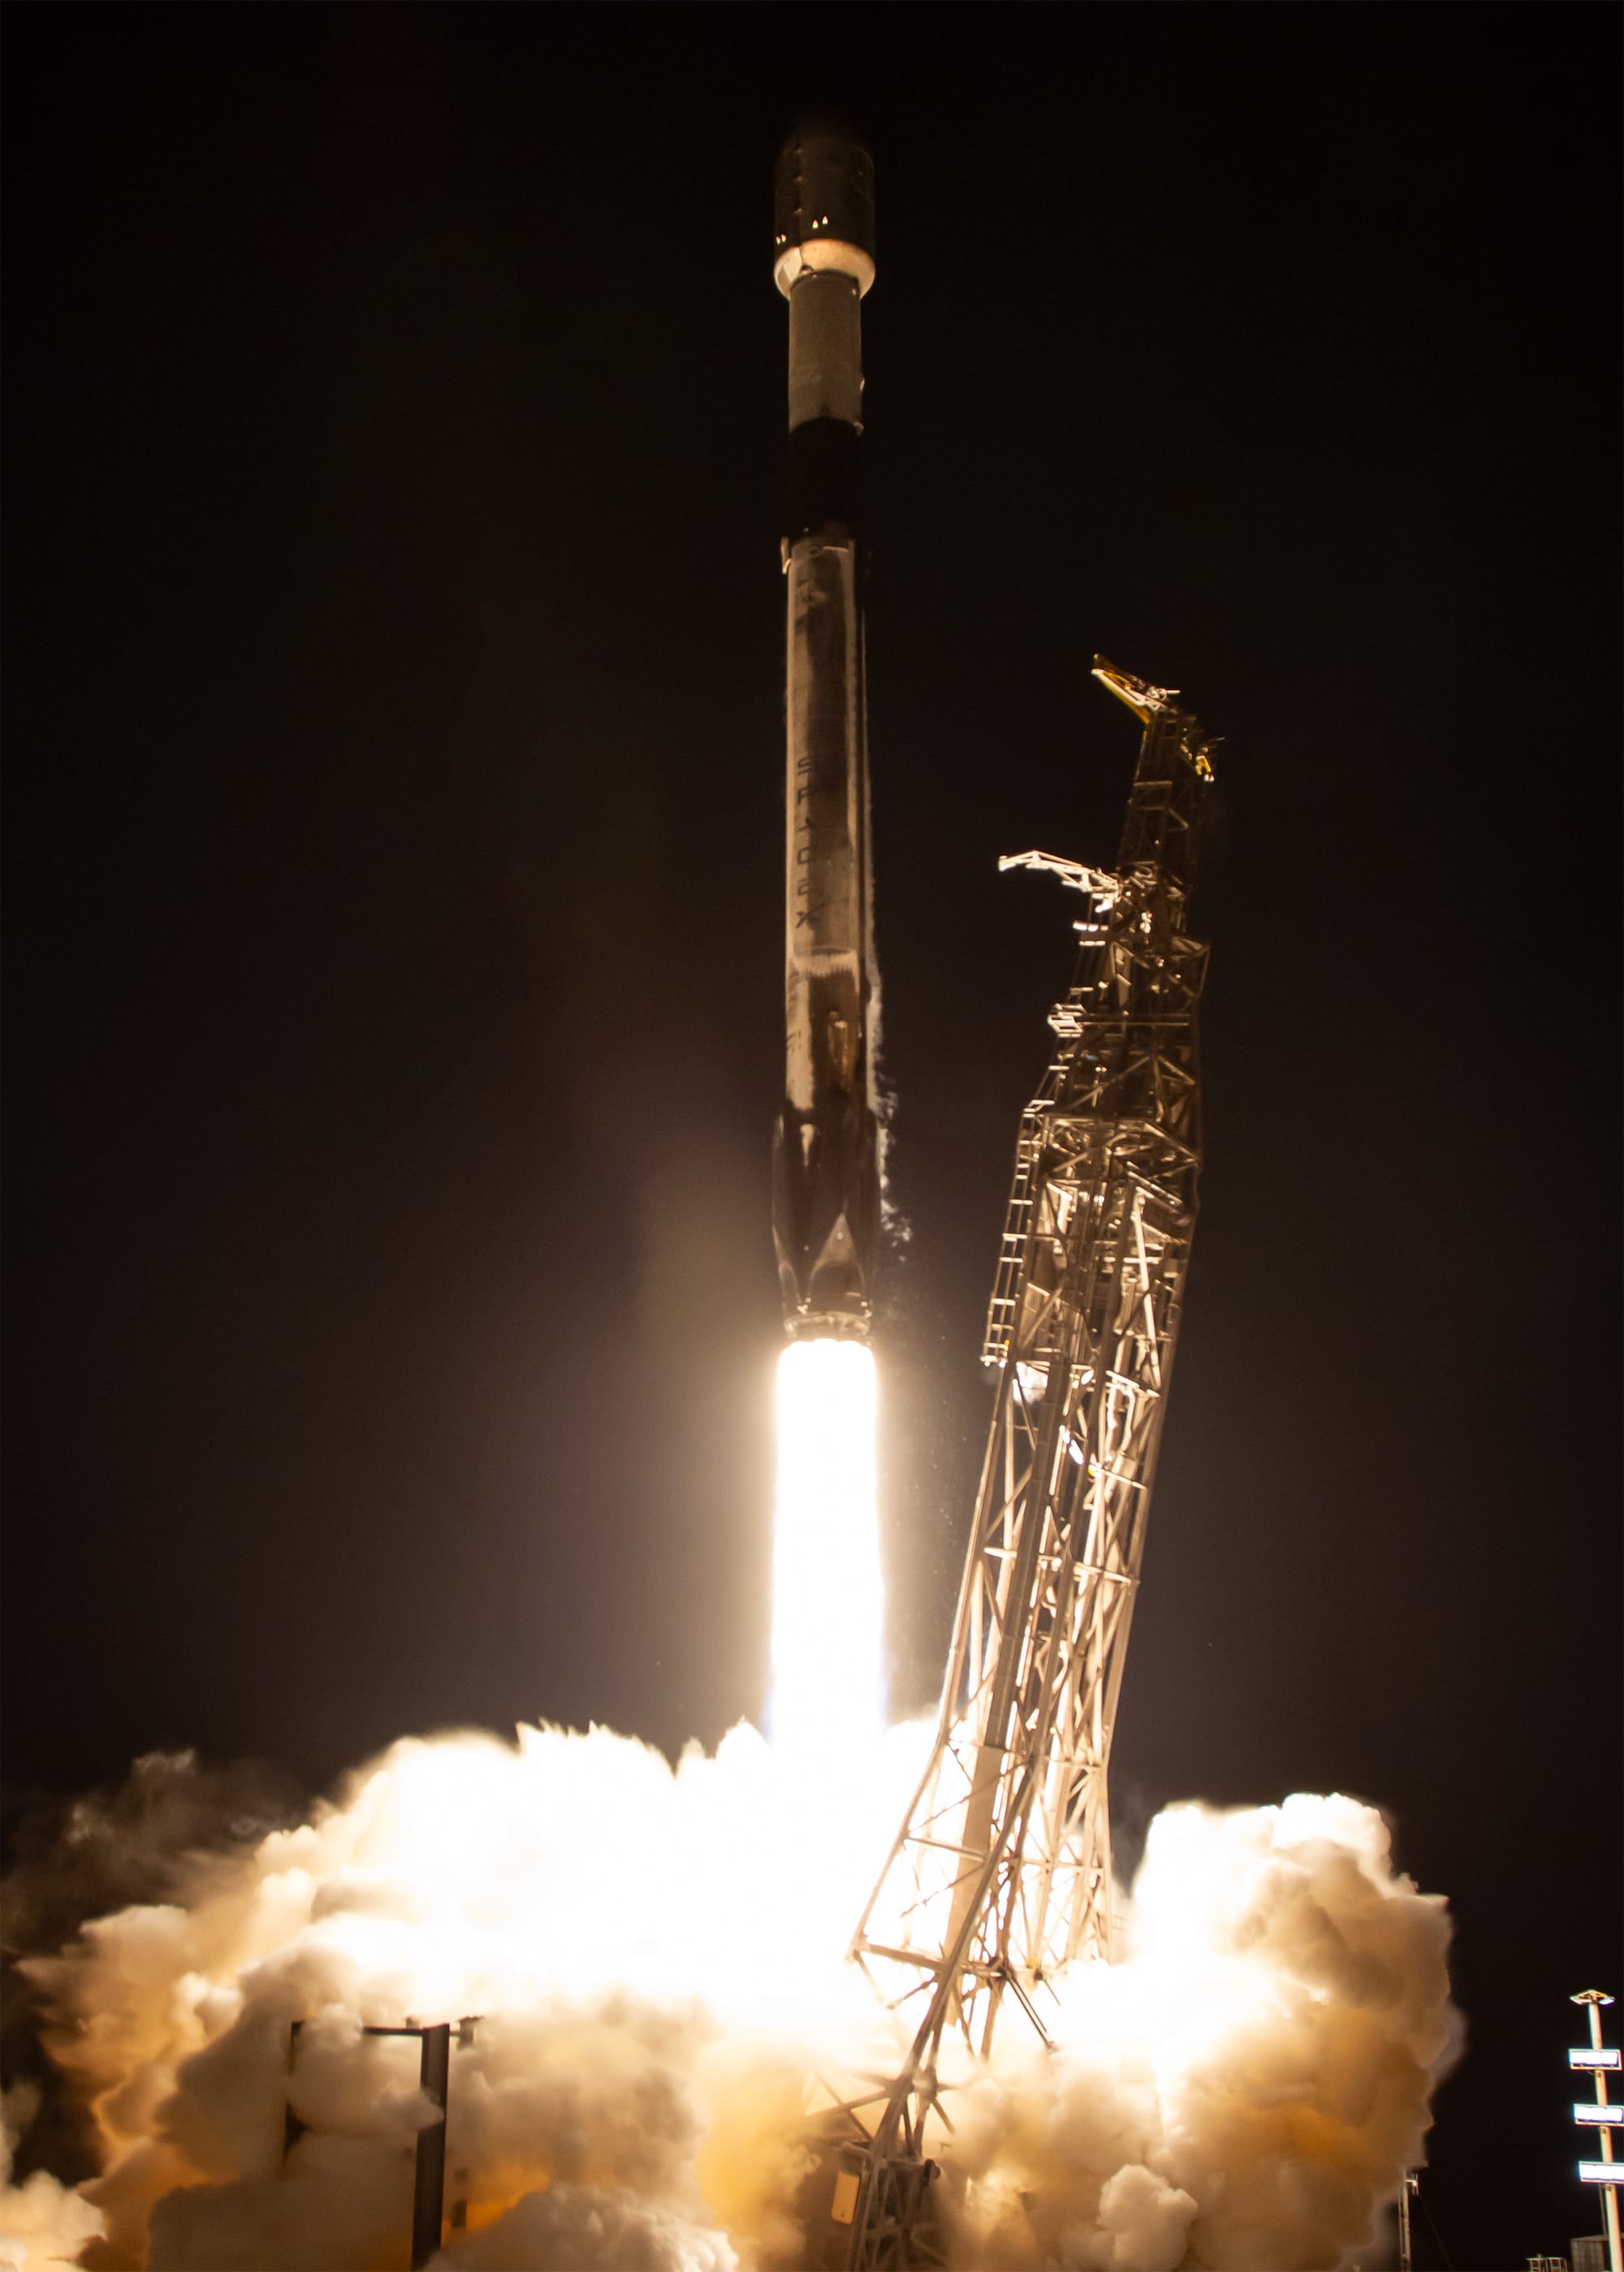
(828, 1598)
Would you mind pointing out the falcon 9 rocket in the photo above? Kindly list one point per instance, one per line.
(825, 1170)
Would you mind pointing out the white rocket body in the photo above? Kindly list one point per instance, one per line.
(826, 1166)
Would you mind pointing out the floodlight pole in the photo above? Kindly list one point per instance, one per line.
(435, 2038)
(1406, 2188)
(429, 2172)
(428, 2175)
(1593, 1999)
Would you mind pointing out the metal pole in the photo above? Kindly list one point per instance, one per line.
(1406, 2186)
(1592, 2000)
(429, 2194)
(293, 2129)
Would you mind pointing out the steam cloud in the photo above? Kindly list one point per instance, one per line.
(659, 1954)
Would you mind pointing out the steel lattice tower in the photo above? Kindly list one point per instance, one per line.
(1000, 1876)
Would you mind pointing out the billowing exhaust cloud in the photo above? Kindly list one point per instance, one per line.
(1246, 2088)
(42, 2221)
(655, 1958)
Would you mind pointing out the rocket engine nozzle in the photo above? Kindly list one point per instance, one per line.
(823, 1175)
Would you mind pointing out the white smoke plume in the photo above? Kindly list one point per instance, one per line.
(657, 1955)
(42, 2221)
(1245, 2090)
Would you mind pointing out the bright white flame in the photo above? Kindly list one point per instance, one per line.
(829, 1600)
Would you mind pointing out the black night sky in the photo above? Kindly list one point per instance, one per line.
(394, 638)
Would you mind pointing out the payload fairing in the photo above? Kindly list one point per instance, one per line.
(825, 1168)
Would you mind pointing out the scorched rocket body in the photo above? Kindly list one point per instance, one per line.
(826, 1165)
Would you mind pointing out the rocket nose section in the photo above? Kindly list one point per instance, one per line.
(823, 204)
(824, 186)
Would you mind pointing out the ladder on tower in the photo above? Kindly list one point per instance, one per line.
(1000, 1876)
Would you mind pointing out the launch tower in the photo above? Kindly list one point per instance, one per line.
(1001, 1875)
